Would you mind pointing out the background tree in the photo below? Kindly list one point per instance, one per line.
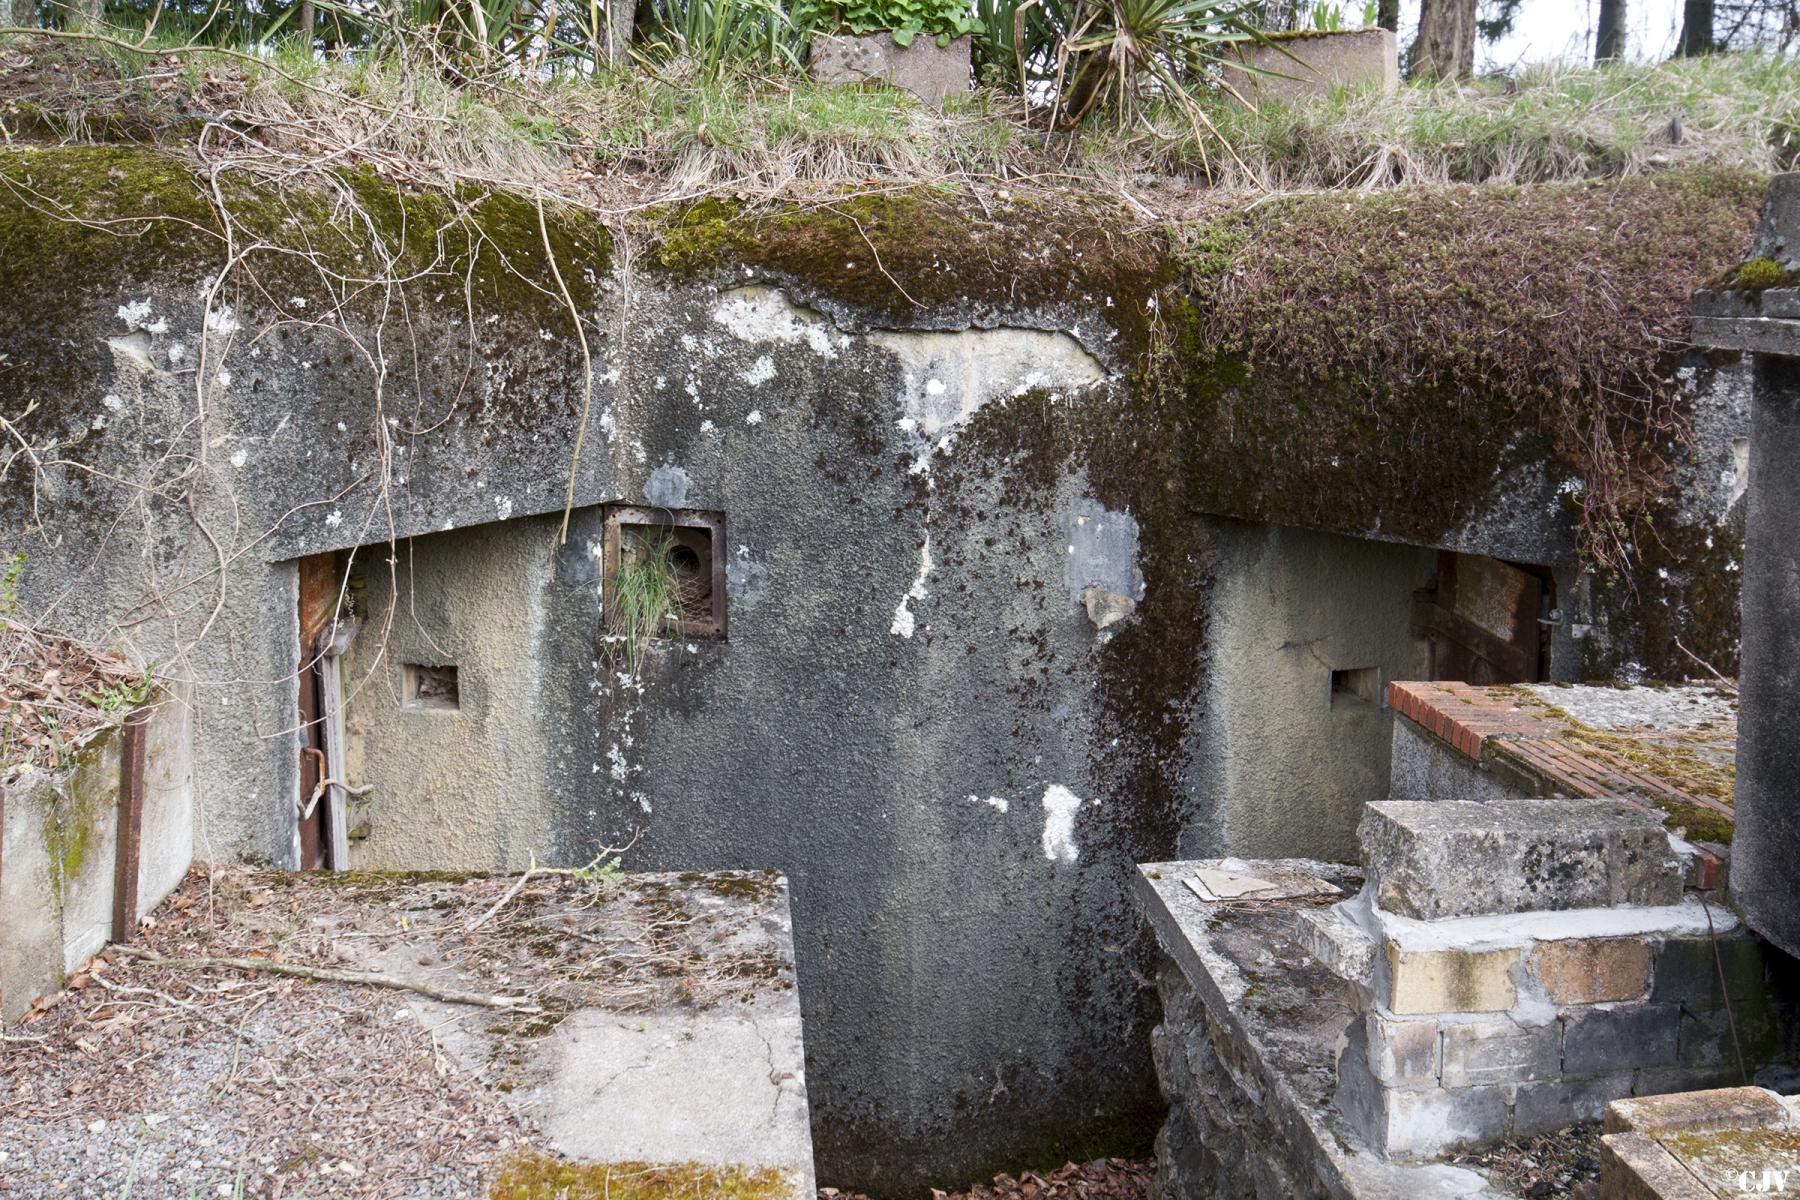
(1387, 15)
(1609, 38)
(1445, 48)
(1696, 29)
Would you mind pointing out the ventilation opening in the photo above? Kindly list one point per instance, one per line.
(1356, 685)
(689, 543)
(431, 687)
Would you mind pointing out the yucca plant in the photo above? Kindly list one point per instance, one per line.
(1120, 55)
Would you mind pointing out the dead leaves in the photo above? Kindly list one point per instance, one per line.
(55, 691)
(1102, 1179)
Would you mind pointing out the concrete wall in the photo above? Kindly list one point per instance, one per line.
(58, 853)
(915, 717)
(1291, 765)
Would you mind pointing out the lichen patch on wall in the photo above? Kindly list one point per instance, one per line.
(668, 487)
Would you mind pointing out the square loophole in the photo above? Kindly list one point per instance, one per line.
(690, 545)
(431, 687)
(1356, 685)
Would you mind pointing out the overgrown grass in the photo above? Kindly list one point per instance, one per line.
(1551, 123)
(649, 135)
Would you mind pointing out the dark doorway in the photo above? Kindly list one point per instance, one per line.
(1484, 619)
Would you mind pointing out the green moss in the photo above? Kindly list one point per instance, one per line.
(533, 1175)
(921, 252)
(1758, 274)
(78, 807)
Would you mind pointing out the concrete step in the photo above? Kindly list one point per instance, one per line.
(1432, 860)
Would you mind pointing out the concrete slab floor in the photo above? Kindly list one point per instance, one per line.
(646, 1042)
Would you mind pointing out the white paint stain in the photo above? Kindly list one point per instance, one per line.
(1060, 806)
(997, 803)
(904, 621)
(755, 417)
(946, 378)
(503, 506)
(760, 372)
(239, 458)
(759, 314)
(136, 314)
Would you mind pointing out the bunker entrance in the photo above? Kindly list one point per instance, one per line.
(1483, 620)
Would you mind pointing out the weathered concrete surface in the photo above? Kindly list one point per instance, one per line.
(929, 71)
(1291, 765)
(1766, 843)
(1299, 66)
(60, 848)
(915, 715)
(719, 1085)
(1429, 860)
(722, 1088)
(1251, 1027)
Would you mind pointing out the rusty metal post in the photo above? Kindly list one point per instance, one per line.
(131, 826)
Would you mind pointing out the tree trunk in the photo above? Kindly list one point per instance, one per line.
(1696, 29)
(1387, 15)
(1609, 39)
(307, 18)
(18, 12)
(1445, 48)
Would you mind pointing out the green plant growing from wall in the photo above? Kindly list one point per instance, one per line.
(641, 596)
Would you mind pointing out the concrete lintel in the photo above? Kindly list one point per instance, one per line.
(1761, 335)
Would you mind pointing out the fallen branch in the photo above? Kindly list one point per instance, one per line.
(593, 870)
(519, 1004)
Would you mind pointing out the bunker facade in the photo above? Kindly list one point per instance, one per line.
(1021, 561)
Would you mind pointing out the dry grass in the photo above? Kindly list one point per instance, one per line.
(640, 137)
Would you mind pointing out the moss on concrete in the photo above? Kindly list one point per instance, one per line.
(922, 256)
(1760, 274)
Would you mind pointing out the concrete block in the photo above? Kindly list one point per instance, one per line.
(1721, 1108)
(1421, 982)
(1555, 1103)
(1499, 1050)
(1340, 945)
(31, 951)
(1598, 1040)
(1714, 1036)
(1302, 65)
(1636, 1167)
(1431, 861)
(1592, 970)
(1423, 1122)
(929, 71)
(1687, 970)
(1403, 1053)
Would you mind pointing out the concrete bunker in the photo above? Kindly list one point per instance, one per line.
(1027, 580)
